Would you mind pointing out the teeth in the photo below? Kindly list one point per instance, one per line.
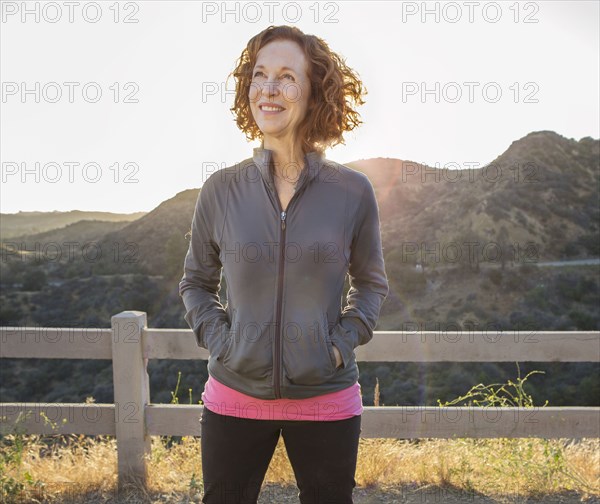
(271, 109)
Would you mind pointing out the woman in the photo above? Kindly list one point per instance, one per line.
(285, 227)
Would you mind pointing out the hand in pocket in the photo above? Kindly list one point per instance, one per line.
(338, 356)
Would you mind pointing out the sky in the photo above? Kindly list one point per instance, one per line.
(118, 106)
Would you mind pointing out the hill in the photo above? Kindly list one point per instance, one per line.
(19, 224)
(461, 251)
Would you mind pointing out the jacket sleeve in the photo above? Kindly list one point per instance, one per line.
(201, 281)
(368, 281)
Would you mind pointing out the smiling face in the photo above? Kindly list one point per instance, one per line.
(279, 79)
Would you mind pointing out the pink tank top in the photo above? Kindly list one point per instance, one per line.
(339, 405)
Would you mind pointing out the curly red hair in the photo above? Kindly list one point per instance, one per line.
(335, 90)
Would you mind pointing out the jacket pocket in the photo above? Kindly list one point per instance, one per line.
(308, 357)
(248, 352)
(224, 349)
(215, 333)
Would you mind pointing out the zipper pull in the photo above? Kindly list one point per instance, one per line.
(282, 221)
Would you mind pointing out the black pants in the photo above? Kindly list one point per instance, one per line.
(236, 453)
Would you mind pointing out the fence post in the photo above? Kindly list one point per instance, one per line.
(132, 394)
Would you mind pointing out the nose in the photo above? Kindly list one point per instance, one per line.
(270, 88)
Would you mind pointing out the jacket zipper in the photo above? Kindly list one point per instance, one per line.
(278, 354)
(278, 359)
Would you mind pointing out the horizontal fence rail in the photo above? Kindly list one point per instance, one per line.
(400, 422)
(132, 418)
(386, 346)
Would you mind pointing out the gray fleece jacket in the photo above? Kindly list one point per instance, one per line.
(285, 273)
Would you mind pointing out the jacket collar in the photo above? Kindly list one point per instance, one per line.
(312, 161)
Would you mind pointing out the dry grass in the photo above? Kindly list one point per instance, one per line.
(83, 469)
(86, 466)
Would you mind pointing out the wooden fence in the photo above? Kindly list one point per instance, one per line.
(133, 418)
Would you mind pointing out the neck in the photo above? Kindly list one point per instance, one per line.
(288, 160)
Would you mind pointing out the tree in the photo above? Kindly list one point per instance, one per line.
(34, 280)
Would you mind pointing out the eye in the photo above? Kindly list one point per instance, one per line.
(258, 72)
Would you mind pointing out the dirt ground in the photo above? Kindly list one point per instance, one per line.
(414, 495)
(276, 494)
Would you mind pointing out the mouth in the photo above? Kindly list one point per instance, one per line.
(271, 109)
